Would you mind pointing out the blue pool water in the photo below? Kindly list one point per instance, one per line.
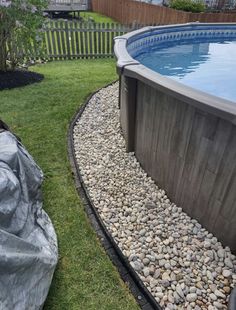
(207, 66)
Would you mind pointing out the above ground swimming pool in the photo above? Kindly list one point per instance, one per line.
(178, 114)
(203, 58)
(205, 64)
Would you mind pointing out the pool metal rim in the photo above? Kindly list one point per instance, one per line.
(132, 68)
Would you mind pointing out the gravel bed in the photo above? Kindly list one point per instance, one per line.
(181, 263)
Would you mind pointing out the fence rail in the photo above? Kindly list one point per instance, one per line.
(73, 40)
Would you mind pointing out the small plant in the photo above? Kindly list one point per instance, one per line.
(188, 5)
(20, 21)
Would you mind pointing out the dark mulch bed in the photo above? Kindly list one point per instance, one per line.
(18, 78)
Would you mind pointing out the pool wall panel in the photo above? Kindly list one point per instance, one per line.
(192, 155)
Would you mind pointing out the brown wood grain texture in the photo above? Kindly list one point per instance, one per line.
(192, 155)
(130, 11)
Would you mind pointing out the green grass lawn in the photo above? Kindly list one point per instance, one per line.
(40, 114)
(98, 18)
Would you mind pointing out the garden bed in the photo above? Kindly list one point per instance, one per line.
(18, 78)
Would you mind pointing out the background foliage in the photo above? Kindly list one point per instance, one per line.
(188, 5)
(20, 22)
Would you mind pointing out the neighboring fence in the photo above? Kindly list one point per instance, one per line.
(73, 40)
(212, 5)
(128, 11)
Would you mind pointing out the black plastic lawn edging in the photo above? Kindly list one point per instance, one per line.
(127, 273)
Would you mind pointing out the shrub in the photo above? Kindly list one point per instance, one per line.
(188, 5)
(20, 21)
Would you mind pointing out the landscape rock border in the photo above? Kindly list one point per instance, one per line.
(127, 273)
(181, 264)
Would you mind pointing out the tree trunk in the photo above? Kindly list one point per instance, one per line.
(3, 56)
(3, 48)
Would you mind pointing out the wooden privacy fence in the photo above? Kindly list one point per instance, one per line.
(128, 11)
(73, 39)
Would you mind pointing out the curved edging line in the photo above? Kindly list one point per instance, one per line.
(127, 273)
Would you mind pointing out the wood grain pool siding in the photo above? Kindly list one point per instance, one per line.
(192, 155)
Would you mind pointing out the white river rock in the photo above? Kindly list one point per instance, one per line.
(181, 263)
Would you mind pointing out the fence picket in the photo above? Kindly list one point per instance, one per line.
(90, 36)
(67, 41)
(86, 40)
(112, 34)
(58, 38)
(73, 39)
(81, 41)
(63, 42)
(103, 39)
(95, 44)
(77, 42)
(99, 40)
(48, 44)
(54, 49)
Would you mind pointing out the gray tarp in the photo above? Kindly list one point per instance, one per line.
(28, 243)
